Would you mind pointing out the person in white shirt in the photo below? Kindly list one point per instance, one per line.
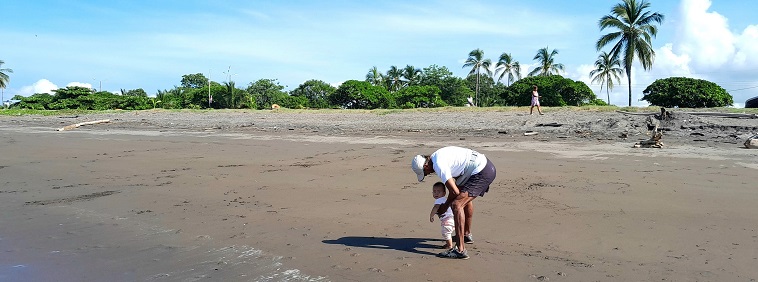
(467, 174)
(446, 218)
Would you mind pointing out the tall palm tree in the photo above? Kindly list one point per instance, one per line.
(607, 69)
(4, 79)
(394, 78)
(477, 63)
(506, 65)
(547, 66)
(411, 75)
(635, 28)
(375, 77)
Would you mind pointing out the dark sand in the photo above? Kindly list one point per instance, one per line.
(138, 199)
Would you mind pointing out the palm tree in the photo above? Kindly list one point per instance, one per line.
(506, 65)
(411, 75)
(374, 76)
(477, 63)
(393, 78)
(547, 63)
(635, 28)
(607, 69)
(4, 79)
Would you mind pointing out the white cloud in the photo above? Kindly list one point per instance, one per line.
(706, 48)
(80, 84)
(747, 48)
(41, 86)
(705, 35)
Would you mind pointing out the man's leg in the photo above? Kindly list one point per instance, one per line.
(468, 210)
(459, 215)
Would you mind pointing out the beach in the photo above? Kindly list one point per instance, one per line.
(330, 196)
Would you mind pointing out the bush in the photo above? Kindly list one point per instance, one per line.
(555, 91)
(686, 92)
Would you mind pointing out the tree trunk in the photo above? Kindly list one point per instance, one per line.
(609, 95)
(629, 81)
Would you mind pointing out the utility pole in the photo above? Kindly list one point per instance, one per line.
(209, 89)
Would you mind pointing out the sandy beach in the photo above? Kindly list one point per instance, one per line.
(298, 196)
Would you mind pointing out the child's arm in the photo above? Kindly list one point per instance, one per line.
(434, 212)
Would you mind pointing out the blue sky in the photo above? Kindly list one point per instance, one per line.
(151, 44)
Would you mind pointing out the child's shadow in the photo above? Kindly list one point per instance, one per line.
(401, 244)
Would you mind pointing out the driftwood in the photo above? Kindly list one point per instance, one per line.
(752, 142)
(552, 124)
(69, 127)
(636, 114)
(723, 115)
(530, 133)
(710, 114)
(653, 142)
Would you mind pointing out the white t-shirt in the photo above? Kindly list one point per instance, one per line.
(449, 162)
(449, 211)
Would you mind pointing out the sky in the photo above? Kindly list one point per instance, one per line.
(120, 44)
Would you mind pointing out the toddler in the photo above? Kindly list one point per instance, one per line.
(446, 219)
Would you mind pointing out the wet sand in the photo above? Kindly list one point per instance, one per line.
(110, 203)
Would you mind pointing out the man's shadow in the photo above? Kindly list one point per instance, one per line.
(401, 244)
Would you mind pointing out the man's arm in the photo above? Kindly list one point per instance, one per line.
(453, 192)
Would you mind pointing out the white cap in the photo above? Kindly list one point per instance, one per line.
(418, 166)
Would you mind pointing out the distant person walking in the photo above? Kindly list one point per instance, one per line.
(467, 174)
(535, 100)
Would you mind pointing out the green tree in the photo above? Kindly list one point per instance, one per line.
(354, 94)
(686, 92)
(232, 98)
(434, 75)
(547, 65)
(454, 91)
(4, 79)
(197, 80)
(134, 92)
(265, 92)
(375, 77)
(635, 27)
(507, 66)
(419, 97)
(38, 101)
(316, 93)
(555, 91)
(477, 62)
(487, 97)
(607, 69)
(172, 98)
(411, 75)
(394, 79)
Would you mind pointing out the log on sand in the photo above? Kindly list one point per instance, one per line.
(69, 127)
(752, 142)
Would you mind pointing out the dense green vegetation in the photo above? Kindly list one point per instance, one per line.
(686, 92)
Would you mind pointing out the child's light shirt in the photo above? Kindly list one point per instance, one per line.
(448, 212)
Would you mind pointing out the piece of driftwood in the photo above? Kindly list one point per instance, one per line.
(552, 124)
(530, 133)
(752, 142)
(637, 114)
(710, 114)
(723, 115)
(653, 142)
(69, 127)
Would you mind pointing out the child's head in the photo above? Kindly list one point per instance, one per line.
(438, 190)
